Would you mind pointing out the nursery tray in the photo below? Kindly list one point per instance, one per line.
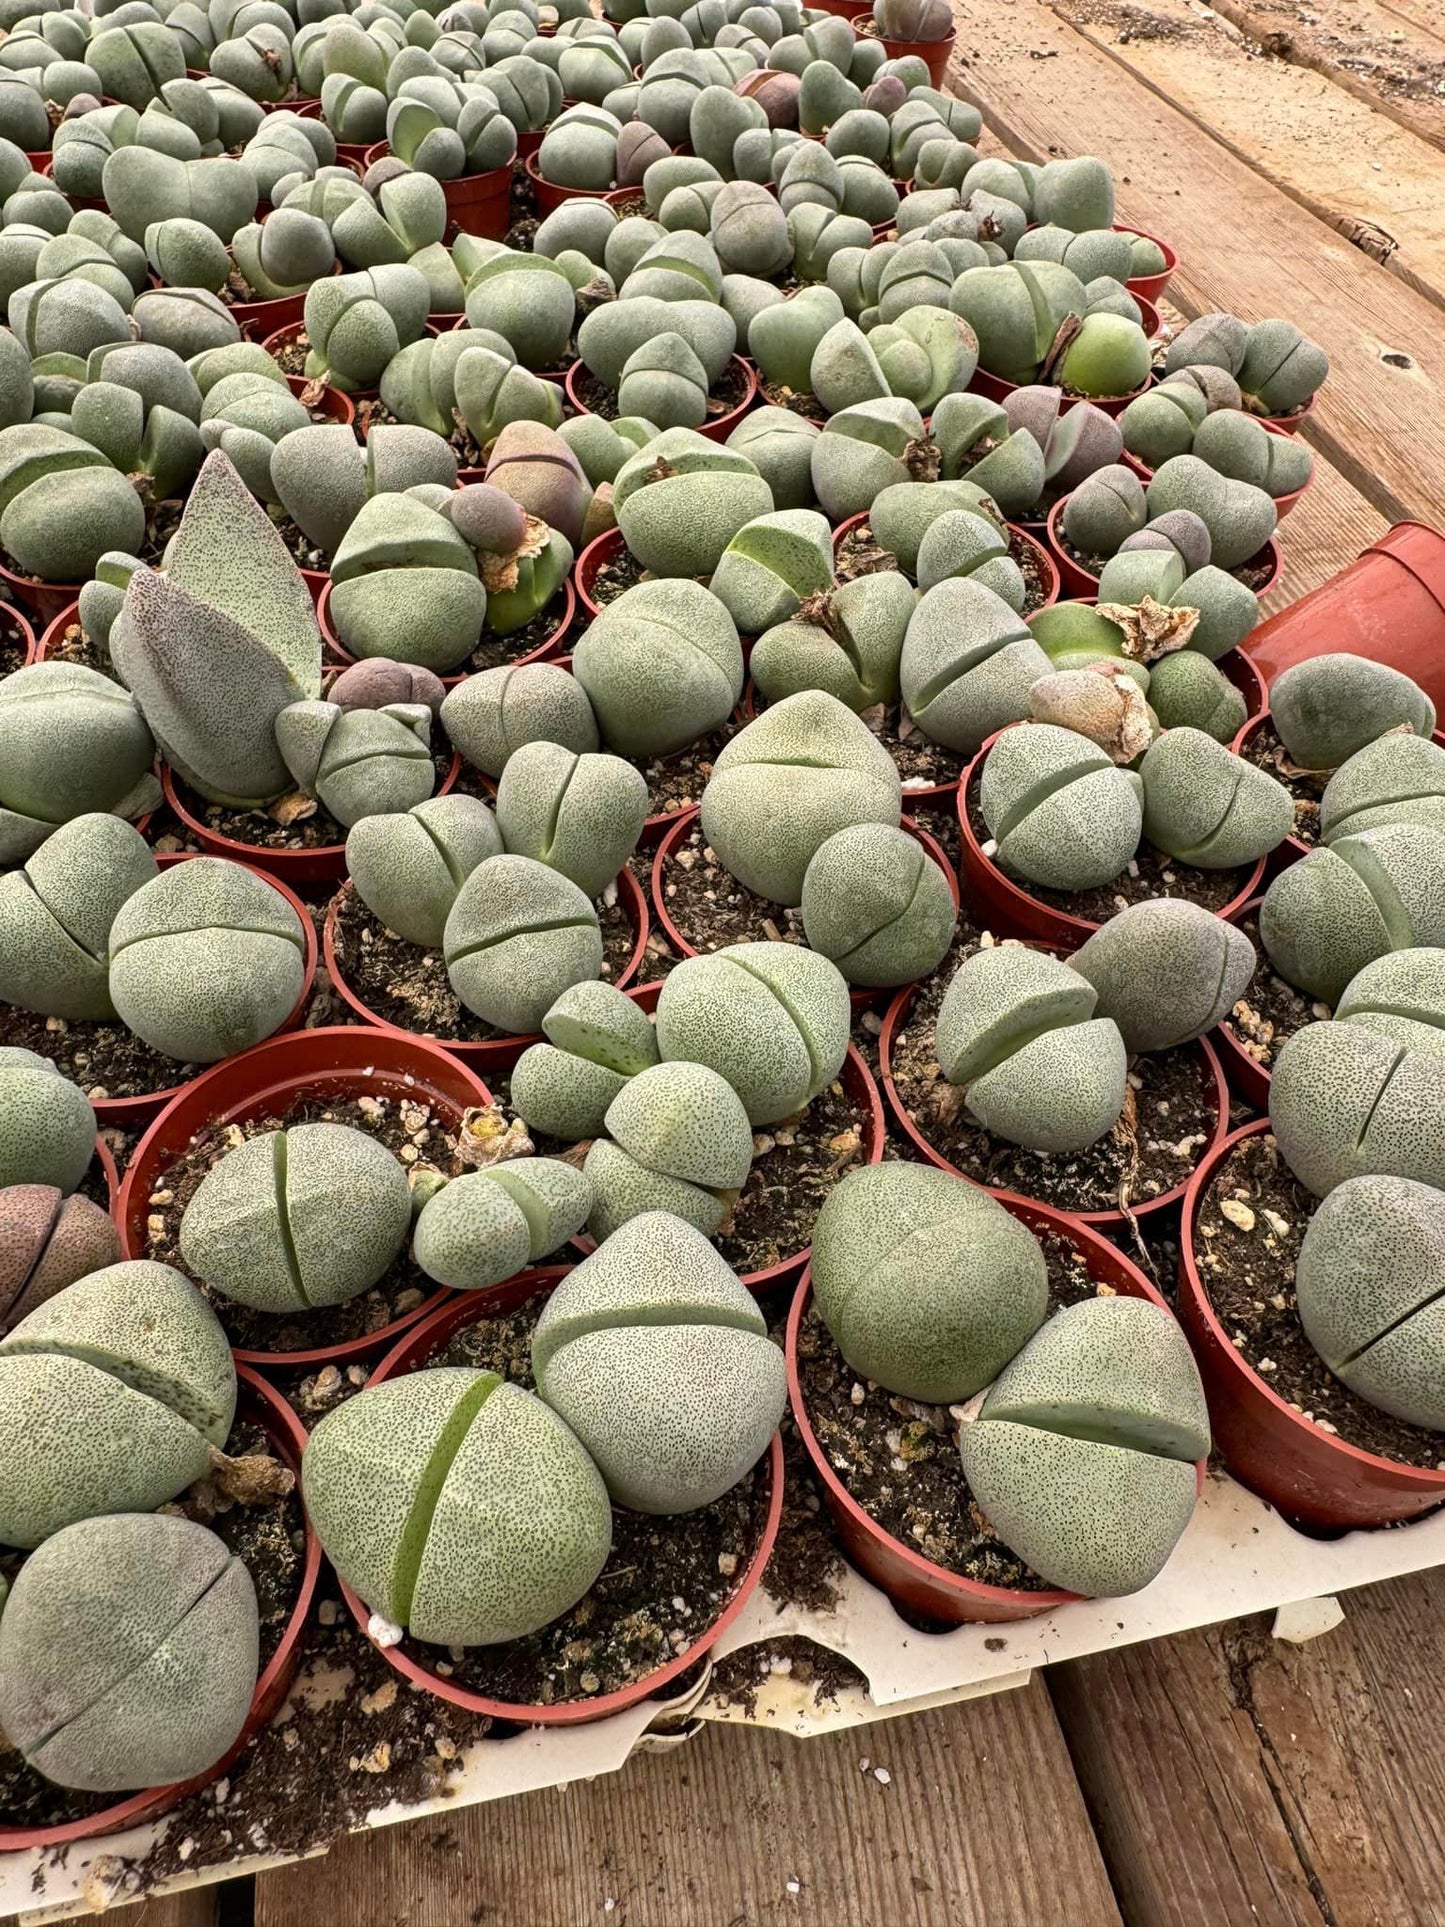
(1238, 1556)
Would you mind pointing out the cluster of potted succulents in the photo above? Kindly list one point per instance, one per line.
(721, 615)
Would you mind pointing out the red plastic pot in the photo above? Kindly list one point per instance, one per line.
(996, 388)
(1388, 604)
(717, 429)
(906, 1576)
(854, 10)
(321, 865)
(412, 1353)
(259, 1401)
(276, 345)
(1211, 1072)
(602, 548)
(1149, 287)
(565, 600)
(1309, 1475)
(1043, 559)
(529, 139)
(933, 53)
(1282, 503)
(1248, 1078)
(343, 1061)
(498, 1053)
(25, 634)
(1081, 582)
(550, 196)
(331, 403)
(108, 1171)
(1008, 909)
(44, 600)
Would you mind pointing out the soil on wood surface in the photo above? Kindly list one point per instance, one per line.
(1168, 1122)
(1398, 53)
(858, 554)
(1149, 873)
(260, 828)
(104, 1058)
(408, 986)
(409, 1128)
(13, 643)
(1271, 1010)
(665, 1581)
(796, 1163)
(1306, 786)
(1251, 1223)
(728, 392)
(739, 1678)
(267, 1536)
(899, 1459)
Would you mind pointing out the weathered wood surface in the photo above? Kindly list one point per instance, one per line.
(980, 1824)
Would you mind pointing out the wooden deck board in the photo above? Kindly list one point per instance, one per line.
(715, 1836)
(1243, 243)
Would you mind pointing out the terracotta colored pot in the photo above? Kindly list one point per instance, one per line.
(1211, 1074)
(259, 1401)
(1149, 287)
(44, 600)
(320, 865)
(603, 548)
(24, 633)
(550, 196)
(1389, 604)
(1309, 1475)
(1282, 503)
(854, 10)
(413, 1352)
(498, 1053)
(1008, 909)
(716, 429)
(565, 601)
(1044, 561)
(127, 1112)
(1248, 1078)
(108, 1171)
(933, 53)
(276, 344)
(906, 1576)
(996, 388)
(343, 1061)
(1237, 664)
(1081, 582)
(618, 197)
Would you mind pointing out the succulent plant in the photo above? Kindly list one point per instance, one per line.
(678, 1140)
(1165, 971)
(1326, 708)
(1346, 1102)
(878, 905)
(1240, 517)
(864, 450)
(1059, 810)
(516, 937)
(1368, 1281)
(47, 1128)
(56, 916)
(141, 185)
(927, 1285)
(657, 1357)
(1338, 909)
(1083, 1452)
(1275, 365)
(112, 1395)
(773, 1018)
(62, 504)
(405, 584)
(356, 323)
(968, 663)
(680, 500)
(1400, 996)
(490, 716)
(772, 566)
(779, 444)
(1162, 422)
(154, 1679)
(1187, 691)
(1394, 779)
(803, 769)
(531, 463)
(72, 743)
(580, 815)
(596, 1039)
(359, 762)
(846, 640)
(408, 866)
(1208, 807)
(323, 476)
(661, 665)
(1103, 510)
(1018, 1030)
(528, 300)
(976, 439)
(486, 1226)
(971, 546)
(457, 1506)
(47, 1241)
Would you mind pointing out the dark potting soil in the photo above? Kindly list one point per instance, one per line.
(1149, 873)
(658, 956)
(1251, 1223)
(74, 645)
(263, 829)
(728, 392)
(1271, 1010)
(408, 986)
(739, 1678)
(290, 358)
(299, 546)
(858, 554)
(1168, 1122)
(268, 1536)
(665, 1581)
(711, 908)
(899, 1459)
(796, 1163)
(615, 576)
(633, 208)
(797, 402)
(409, 1128)
(526, 641)
(675, 783)
(14, 644)
(465, 446)
(104, 1058)
(1306, 786)
(162, 521)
